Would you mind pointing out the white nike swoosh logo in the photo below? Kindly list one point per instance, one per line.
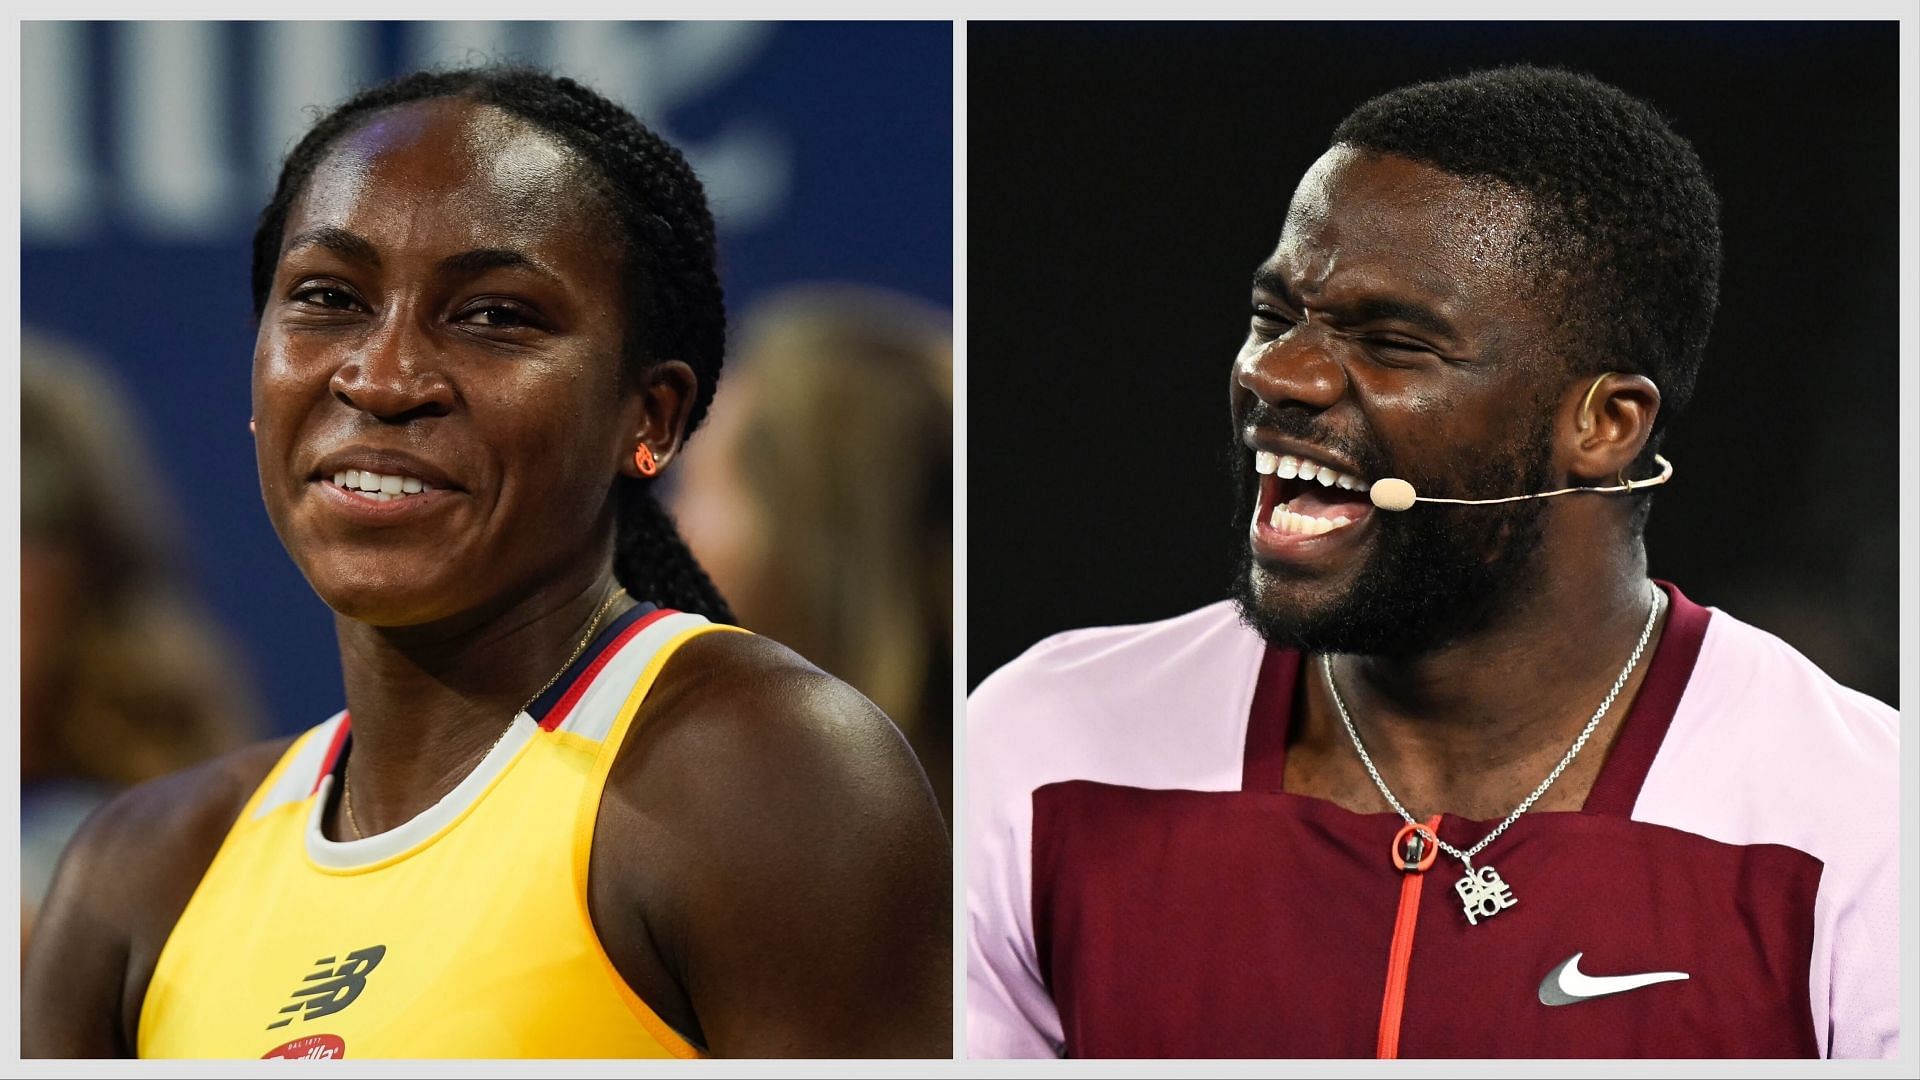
(1567, 984)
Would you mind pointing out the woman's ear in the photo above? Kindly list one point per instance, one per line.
(658, 415)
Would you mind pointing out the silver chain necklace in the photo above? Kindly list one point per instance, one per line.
(1482, 892)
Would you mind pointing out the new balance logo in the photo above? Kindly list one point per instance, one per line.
(332, 988)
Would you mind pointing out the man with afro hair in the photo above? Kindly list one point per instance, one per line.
(1449, 775)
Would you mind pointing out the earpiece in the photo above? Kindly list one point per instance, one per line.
(1586, 403)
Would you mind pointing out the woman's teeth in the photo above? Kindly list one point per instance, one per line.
(380, 487)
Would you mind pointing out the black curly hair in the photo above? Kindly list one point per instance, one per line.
(1625, 224)
(673, 303)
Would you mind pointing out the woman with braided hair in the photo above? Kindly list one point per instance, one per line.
(567, 811)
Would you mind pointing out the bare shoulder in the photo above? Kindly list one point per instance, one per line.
(121, 885)
(755, 702)
(745, 742)
(799, 872)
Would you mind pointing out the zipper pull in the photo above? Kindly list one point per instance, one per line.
(1413, 851)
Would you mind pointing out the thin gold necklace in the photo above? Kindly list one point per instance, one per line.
(346, 784)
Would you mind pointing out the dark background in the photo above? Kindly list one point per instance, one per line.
(1125, 179)
(827, 150)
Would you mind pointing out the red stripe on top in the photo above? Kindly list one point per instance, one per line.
(333, 752)
(1393, 1004)
(558, 714)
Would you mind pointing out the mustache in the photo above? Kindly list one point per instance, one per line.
(1299, 422)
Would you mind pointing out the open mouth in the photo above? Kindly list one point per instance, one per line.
(1305, 498)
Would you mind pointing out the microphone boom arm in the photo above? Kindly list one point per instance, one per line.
(1393, 493)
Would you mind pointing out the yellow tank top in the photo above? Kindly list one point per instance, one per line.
(463, 933)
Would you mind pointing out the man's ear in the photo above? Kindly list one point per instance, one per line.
(658, 411)
(1606, 424)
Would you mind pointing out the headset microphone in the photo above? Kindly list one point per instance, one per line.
(1393, 493)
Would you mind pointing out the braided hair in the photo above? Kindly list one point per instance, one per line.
(673, 302)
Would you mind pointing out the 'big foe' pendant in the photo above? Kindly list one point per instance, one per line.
(1483, 894)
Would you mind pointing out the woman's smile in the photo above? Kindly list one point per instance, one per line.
(436, 381)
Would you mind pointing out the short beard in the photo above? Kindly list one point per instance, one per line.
(1436, 574)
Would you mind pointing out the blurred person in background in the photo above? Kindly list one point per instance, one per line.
(568, 810)
(122, 675)
(820, 499)
(148, 148)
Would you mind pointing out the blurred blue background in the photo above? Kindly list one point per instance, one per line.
(148, 148)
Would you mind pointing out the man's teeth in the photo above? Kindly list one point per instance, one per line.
(1286, 467)
(1289, 522)
(380, 487)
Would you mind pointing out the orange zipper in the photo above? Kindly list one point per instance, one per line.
(1400, 953)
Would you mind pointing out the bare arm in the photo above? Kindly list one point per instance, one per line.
(799, 888)
(121, 886)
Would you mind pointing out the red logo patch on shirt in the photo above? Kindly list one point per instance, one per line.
(310, 1048)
